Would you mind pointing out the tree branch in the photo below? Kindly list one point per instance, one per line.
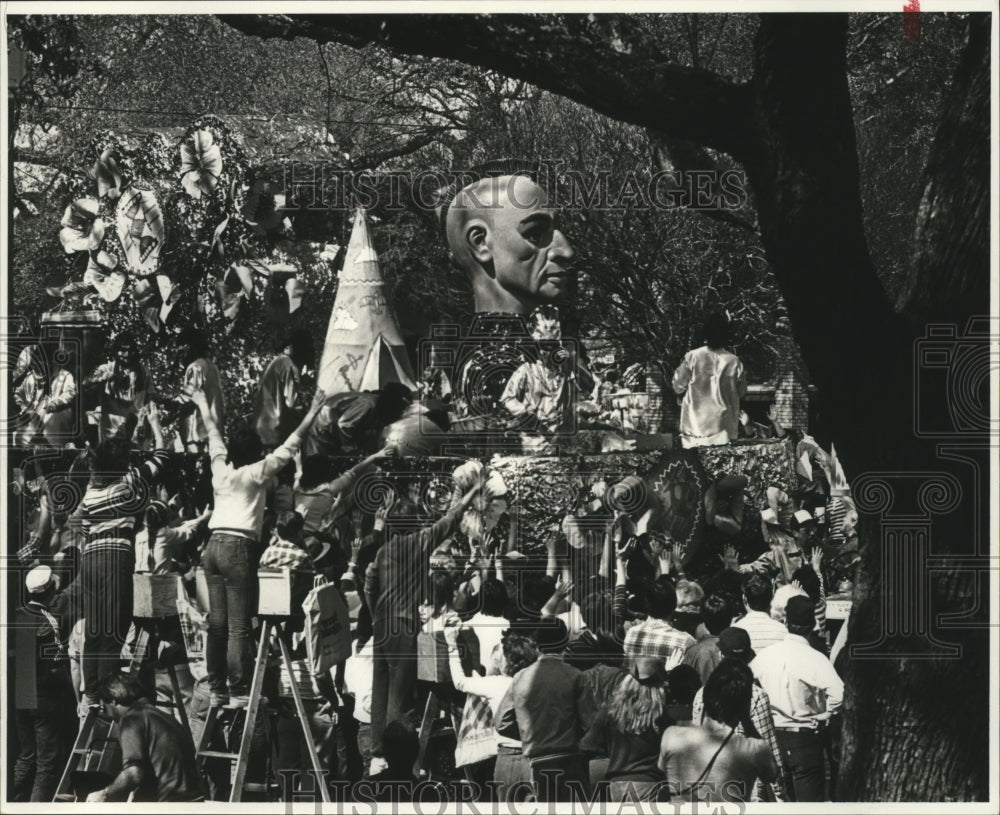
(693, 105)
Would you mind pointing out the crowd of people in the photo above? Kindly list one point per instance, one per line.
(650, 683)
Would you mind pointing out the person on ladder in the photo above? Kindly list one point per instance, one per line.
(240, 477)
(158, 758)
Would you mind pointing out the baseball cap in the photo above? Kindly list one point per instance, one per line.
(735, 642)
(800, 612)
(38, 579)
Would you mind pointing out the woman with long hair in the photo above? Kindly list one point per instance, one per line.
(628, 731)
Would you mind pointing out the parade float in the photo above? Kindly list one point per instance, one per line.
(159, 237)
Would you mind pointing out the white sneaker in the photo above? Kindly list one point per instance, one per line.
(377, 765)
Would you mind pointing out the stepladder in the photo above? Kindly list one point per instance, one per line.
(248, 768)
(96, 757)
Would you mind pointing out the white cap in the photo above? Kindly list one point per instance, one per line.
(38, 579)
(803, 516)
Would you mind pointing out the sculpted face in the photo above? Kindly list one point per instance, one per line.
(503, 233)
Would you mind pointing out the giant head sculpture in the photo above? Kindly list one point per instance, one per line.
(503, 234)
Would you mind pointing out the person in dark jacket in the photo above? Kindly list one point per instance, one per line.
(394, 585)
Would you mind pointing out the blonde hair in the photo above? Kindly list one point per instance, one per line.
(780, 600)
(635, 708)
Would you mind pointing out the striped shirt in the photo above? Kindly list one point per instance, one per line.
(762, 628)
(108, 512)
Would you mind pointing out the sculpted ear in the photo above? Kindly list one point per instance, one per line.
(476, 234)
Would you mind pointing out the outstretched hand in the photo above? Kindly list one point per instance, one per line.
(729, 558)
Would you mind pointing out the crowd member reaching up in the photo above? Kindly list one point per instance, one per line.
(240, 477)
(393, 587)
(115, 495)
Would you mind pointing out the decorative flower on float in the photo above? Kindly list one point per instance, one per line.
(82, 228)
(108, 175)
(103, 275)
(201, 164)
(488, 506)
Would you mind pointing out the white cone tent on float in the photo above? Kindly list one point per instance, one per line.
(364, 349)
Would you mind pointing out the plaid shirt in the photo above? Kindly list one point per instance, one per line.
(282, 553)
(658, 639)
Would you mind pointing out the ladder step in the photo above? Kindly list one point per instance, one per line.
(218, 754)
(62, 796)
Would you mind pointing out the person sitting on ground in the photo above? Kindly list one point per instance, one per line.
(712, 762)
(628, 731)
(158, 757)
(704, 655)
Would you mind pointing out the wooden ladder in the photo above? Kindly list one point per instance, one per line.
(98, 729)
(271, 626)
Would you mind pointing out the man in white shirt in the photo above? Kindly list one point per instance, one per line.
(764, 631)
(805, 691)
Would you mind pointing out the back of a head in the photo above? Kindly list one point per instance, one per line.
(661, 599)
(551, 635)
(316, 470)
(120, 688)
(303, 349)
(244, 447)
(728, 692)
(519, 651)
(442, 591)
(684, 683)
(401, 744)
(493, 598)
(715, 329)
(780, 600)
(536, 589)
(758, 593)
(111, 457)
(597, 610)
(809, 580)
(716, 614)
(289, 525)
(637, 702)
(403, 517)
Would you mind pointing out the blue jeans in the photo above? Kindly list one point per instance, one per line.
(230, 571)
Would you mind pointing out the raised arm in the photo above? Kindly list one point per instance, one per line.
(275, 462)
